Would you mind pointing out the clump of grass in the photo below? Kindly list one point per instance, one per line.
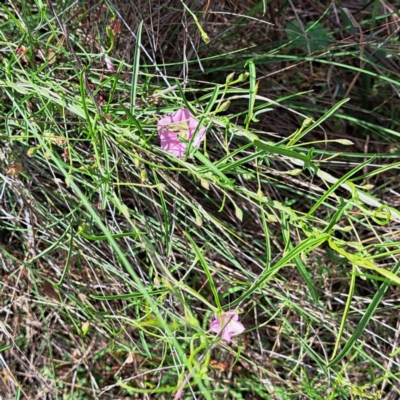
(116, 255)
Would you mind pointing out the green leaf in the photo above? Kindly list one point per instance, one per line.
(305, 246)
(338, 183)
(283, 151)
(204, 264)
(362, 262)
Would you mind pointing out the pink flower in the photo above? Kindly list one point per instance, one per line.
(109, 64)
(182, 124)
(229, 324)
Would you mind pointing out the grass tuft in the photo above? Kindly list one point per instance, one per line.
(116, 256)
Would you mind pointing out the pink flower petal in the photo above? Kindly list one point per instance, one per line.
(226, 335)
(233, 315)
(171, 126)
(237, 327)
(228, 325)
(216, 326)
(109, 64)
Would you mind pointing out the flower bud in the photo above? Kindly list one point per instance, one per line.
(230, 78)
(32, 151)
(224, 106)
(205, 184)
(243, 77)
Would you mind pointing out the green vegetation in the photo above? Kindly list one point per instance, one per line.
(116, 256)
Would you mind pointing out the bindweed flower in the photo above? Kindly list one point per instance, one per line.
(228, 324)
(182, 124)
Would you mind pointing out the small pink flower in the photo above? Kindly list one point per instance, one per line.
(229, 324)
(183, 124)
(109, 64)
